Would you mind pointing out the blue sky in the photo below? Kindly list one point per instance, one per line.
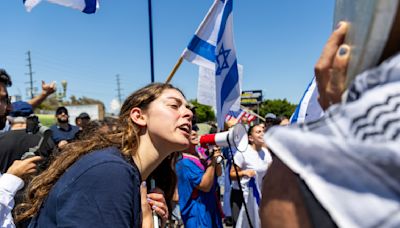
(277, 42)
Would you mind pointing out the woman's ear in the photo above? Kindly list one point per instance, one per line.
(251, 139)
(138, 117)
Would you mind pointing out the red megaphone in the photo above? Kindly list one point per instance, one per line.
(235, 137)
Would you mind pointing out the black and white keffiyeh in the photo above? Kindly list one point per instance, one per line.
(350, 158)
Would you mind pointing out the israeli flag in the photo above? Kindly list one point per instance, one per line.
(86, 6)
(213, 47)
(308, 108)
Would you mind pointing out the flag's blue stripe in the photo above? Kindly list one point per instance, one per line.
(230, 81)
(225, 15)
(256, 194)
(90, 6)
(296, 112)
(202, 48)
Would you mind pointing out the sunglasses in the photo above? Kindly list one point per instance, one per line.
(61, 112)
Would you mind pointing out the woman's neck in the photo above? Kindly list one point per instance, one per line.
(255, 147)
(148, 156)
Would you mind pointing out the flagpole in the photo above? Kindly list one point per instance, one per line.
(177, 65)
(151, 42)
(251, 112)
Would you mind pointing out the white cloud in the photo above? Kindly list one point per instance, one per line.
(115, 106)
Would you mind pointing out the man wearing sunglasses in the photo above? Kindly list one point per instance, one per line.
(63, 132)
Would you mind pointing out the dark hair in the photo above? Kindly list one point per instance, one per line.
(107, 125)
(250, 130)
(5, 78)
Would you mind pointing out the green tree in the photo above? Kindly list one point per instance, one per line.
(84, 101)
(204, 113)
(280, 107)
(51, 103)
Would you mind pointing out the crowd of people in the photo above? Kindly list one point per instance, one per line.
(111, 163)
(147, 167)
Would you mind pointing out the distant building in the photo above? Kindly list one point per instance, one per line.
(15, 98)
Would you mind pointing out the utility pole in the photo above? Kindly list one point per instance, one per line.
(119, 90)
(30, 73)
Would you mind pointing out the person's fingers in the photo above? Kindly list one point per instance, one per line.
(157, 190)
(143, 197)
(147, 220)
(160, 206)
(328, 54)
(324, 65)
(338, 81)
(33, 159)
(325, 62)
(157, 201)
(156, 197)
(30, 170)
(250, 173)
(161, 212)
(143, 191)
(29, 166)
(217, 153)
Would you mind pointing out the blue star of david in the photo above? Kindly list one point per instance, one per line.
(222, 57)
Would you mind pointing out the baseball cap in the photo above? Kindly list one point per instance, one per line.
(270, 116)
(21, 109)
(61, 109)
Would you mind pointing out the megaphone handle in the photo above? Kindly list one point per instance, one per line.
(238, 180)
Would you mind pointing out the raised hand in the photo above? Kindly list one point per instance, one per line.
(330, 69)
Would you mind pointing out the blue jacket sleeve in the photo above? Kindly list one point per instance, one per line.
(106, 195)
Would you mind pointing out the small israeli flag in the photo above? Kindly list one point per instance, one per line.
(308, 108)
(213, 47)
(86, 6)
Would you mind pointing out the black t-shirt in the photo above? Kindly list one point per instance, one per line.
(13, 145)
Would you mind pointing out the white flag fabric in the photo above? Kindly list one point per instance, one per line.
(253, 209)
(350, 158)
(213, 47)
(308, 108)
(86, 6)
(206, 87)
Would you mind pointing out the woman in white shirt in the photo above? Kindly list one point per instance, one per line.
(252, 166)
